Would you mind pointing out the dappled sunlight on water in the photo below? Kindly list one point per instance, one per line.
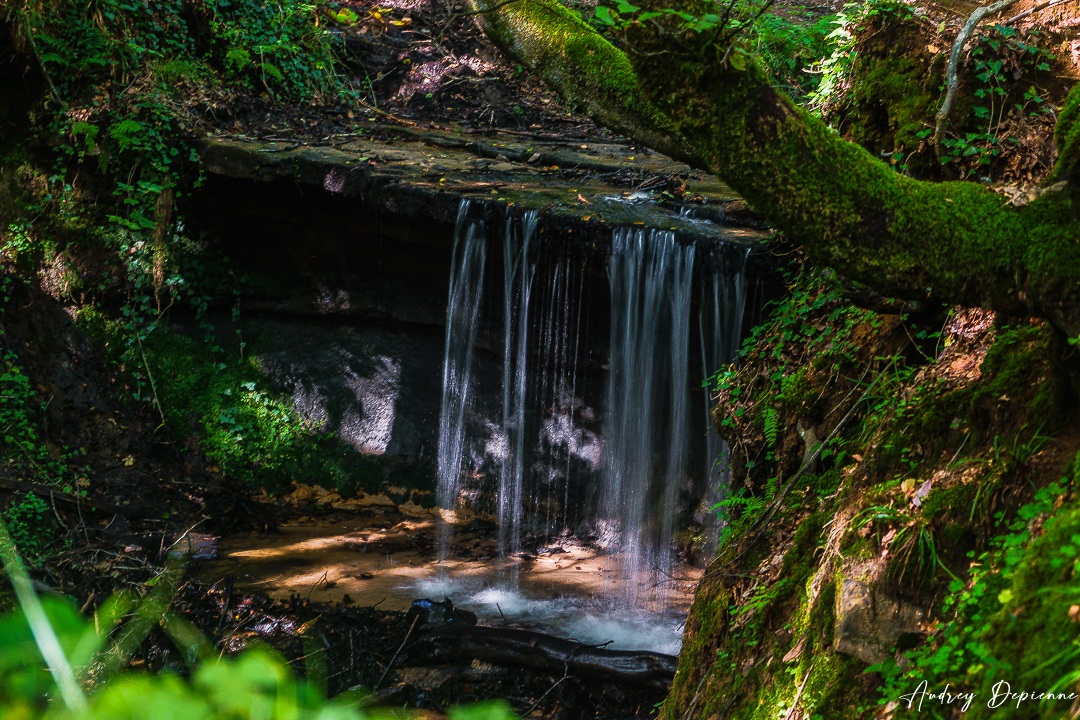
(564, 589)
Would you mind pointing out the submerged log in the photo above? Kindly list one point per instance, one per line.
(451, 643)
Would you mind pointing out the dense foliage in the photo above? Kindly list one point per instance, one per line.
(92, 213)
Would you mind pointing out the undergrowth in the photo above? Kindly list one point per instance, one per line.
(53, 653)
(99, 210)
(1008, 636)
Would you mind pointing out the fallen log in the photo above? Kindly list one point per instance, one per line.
(451, 643)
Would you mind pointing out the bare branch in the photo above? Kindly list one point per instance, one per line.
(1037, 8)
(954, 60)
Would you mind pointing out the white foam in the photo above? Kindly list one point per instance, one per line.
(586, 621)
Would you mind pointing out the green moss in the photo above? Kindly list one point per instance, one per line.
(1036, 644)
(950, 500)
(895, 99)
(245, 428)
(1019, 390)
(589, 72)
(1067, 138)
(799, 395)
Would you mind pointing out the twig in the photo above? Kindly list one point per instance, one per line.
(28, 457)
(52, 504)
(537, 703)
(184, 536)
(150, 375)
(391, 663)
(82, 523)
(318, 582)
(735, 32)
(566, 674)
(1037, 8)
(955, 454)
(696, 698)
(954, 61)
(802, 686)
(49, 491)
(44, 71)
(500, 612)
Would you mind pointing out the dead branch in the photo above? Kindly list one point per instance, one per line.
(954, 61)
(1037, 8)
(454, 642)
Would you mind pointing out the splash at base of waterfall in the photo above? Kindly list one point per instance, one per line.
(589, 620)
(385, 559)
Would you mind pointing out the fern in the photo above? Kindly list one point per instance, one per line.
(771, 417)
(125, 132)
(771, 486)
(272, 71)
(749, 505)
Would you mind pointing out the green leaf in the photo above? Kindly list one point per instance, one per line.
(491, 710)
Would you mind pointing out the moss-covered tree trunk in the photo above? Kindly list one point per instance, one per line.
(710, 105)
(583, 67)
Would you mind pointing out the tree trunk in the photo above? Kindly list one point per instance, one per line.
(957, 243)
(583, 67)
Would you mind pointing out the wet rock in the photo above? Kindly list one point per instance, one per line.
(198, 545)
(868, 621)
(429, 612)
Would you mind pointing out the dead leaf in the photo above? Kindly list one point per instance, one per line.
(921, 493)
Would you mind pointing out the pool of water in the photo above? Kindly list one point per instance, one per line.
(383, 559)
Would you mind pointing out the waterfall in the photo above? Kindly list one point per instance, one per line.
(518, 272)
(644, 456)
(723, 301)
(462, 325)
(571, 435)
(562, 440)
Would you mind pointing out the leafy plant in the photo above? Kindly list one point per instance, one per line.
(19, 413)
(835, 69)
(999, 607)
(49, 649)
(789, 50)
(32, 526)
(999, 60)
